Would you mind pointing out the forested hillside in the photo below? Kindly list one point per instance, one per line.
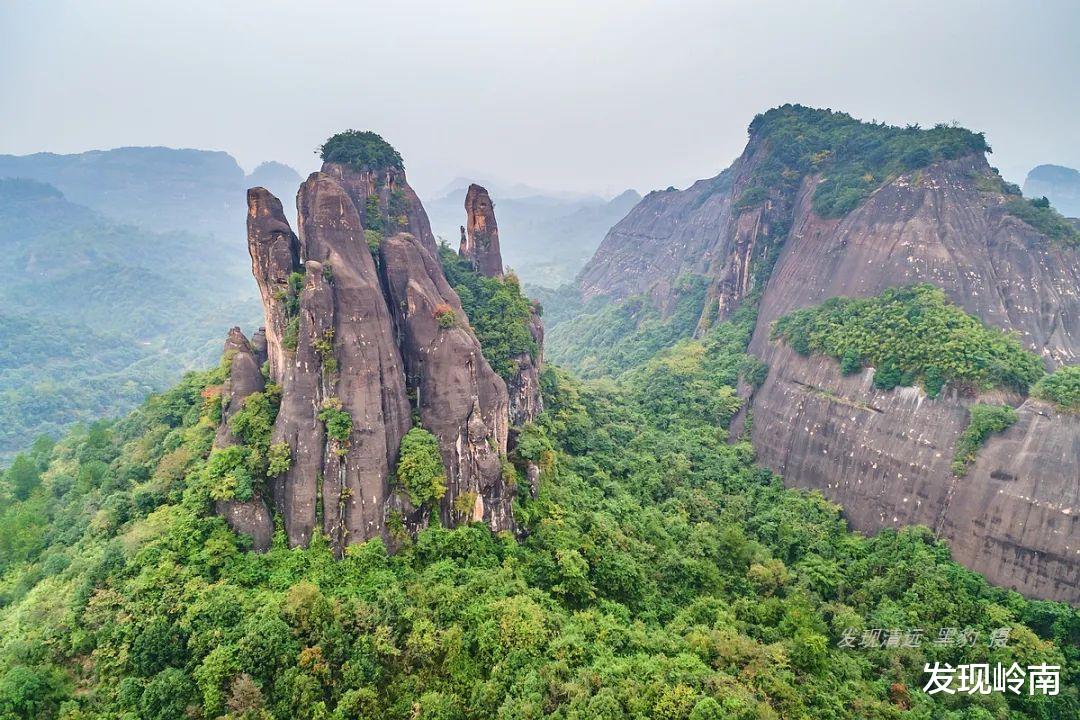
(659, 573)
(94, 314)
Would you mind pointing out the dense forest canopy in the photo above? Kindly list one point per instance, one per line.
(661, 574)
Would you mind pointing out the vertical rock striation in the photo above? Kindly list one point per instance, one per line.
(384, 200)
(883, 455)
(363, 339)
(480, 234)
(360, 365)
(461, 400)
(480, 246)
(251, 517)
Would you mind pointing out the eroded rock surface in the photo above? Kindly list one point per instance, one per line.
(251, 517)
(885, 457)
(480, 234)
(394, 206)
(366, 374)
(462, 401)
(360, 340)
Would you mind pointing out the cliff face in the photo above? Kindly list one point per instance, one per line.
(480, 246)
(461, 399)
(884, 455)
(251, 517)
(385, 201)
(667, 234)
(480, 234)
(934, 226)
(364, 341)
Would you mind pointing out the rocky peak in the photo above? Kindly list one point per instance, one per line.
(480, 234)
(373, 174)
(366, 338)
(275, 255)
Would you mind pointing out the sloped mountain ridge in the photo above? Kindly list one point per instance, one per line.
(883, 455)
(364, 339)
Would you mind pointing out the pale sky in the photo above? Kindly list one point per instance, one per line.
(582, 96)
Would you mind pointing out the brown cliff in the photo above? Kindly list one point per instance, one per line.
(480, 234)
(480, 246)
(461, 400)
(359, 362)
(385, 201)
(251, 517)
(355, 336)
(884, 456)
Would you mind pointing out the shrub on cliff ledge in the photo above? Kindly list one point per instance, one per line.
(420, 470)
(1061, 387)
(911, 334)
(363, 150)
(985, 419)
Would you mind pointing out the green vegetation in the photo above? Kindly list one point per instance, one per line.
(95, 329)
(853, 157)
(662, 575)
(497, 310)
(911, 334)
(985, 419)
(1038, 214)
(290, 297)
(445, 316)
(364, 150)
(420, 469)
(338, 422)
(235, 472)
(372, 214)
(279, 459)
(608, 338)
(373, 238)
(1061, 387)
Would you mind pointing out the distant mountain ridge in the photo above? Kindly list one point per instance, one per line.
(1060, 184)
(95, 314)
(159, 188)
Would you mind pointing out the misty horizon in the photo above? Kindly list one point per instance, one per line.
(594, 100)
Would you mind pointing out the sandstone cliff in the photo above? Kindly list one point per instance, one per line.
(480, 246)
(364, 338)
(461, 399)
(251, 517)
(883, 455)
(480, 234)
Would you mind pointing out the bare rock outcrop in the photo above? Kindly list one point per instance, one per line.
(385, 201)
(526, 398)
(461, 400)
(355, 337)
(275, 255)
(360, 366)
(885, 457)
(251, 517)
(480, 246)
(480, 234)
